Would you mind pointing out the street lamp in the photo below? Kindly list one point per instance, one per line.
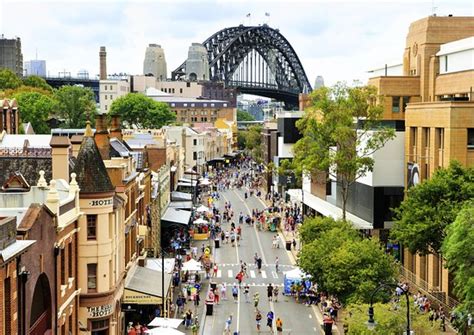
(371, 321)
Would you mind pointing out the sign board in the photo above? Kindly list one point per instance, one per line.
(133, 297)
(100, 311)
(101, 202)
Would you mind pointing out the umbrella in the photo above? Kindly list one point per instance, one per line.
(164, 331)
(165, 322)
(205, 182)
(202, 209)
(191, 265)
(200, 221)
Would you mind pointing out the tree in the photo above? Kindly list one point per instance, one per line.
(458, 250)
(253, 142)
(244, 116)
(340, 133)
(142, 111)
(35, 81)
(75, 105)
(390, 319)
(8, 79)
(9, 93)
(342, 262)
(241, 135)
(431, 206)
(36, 108)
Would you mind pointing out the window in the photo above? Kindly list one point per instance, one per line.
(105, 87)
(172, 90)
(70, 264)
(92, 277)
(185, 105)
(111, 97)
(99, 325)
(413, 136)
(195, 142)
(204, 105)
(225, 105)
(395, 104)
(192, 105)
(105, 97)
(194, 155)
(213, 105)
(470, 138)
(164, 90)
(446, 63)
(440, 137)
(63, 267)
(406, 100)
(188, 84)
(173, 104)
(180, 90)
(105, 107)
(426, 137)
(91, 227)
(111, 87)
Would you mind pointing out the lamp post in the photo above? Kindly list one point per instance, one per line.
(371, 321)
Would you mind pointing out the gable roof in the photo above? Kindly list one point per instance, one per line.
(92, 175)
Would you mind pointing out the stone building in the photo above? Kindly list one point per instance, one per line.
(197, 63)
(434, 98)
(9, 116)
(155, 62)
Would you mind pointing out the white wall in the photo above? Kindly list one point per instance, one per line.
(389, 164)
(284, 149)
(392, 70)
(458, 61)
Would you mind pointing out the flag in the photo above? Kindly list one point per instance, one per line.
(248, 15)
(267, 14)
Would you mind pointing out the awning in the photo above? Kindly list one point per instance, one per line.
(181, 196)
(216, 160)
(187, 181)
(327, 209)
(155, 264)
(143, 286)
(187, 205)
(174, 215)
(185, 184)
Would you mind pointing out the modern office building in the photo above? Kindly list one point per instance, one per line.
(155, 62)
(35, 67)
(10, 55)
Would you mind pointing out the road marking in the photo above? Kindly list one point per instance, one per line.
(229, 273)
(274, 274)
(252, 274)
(264, 274)
(254, 227)
(219, 273)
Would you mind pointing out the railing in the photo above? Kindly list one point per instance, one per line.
(433, 293)
(25, 152)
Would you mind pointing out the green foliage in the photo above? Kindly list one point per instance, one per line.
(35, 108)
(244, 116)
(346, 118)
(253, 142)
(458, 250)
(342, 262)
(9, 80)
(35, 81)
(75, 103)
(142, 111)
(390, 319)
(9, 93)
(241, 135)
(432, 205)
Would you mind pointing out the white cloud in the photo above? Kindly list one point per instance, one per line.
(340, 40)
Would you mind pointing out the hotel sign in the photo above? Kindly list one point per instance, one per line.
(133, 297)
(100, 311)
(101, 202)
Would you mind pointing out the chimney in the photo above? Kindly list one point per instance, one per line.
(115, 129)
(103, 63)
(101, 136)
(76, 141)
(60, 157)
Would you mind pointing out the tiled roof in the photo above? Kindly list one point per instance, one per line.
(91, 173)
(27, 166)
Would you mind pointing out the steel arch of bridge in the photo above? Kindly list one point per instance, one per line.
(256, 60)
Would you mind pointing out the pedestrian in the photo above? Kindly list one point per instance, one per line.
(258, 319)
(277, 263)
(246, 293)
(223, 292)
(235, 293)
(270, 292)
(215, 268)
(270, 321)
(256, 299)
(275, 294)
(197, 299)
(259, 264)
(279, 326)
(188, 319)
(240, 277)
(294, 244)
(228, 322)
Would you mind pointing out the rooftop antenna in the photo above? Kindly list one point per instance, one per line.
(433, 8)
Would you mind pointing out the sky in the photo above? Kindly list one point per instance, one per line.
(339, 40)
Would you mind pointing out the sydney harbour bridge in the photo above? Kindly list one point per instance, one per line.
(255, 60)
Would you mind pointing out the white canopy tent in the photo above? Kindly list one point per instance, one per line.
(165, 322)
(202, 209)
(200, 221)
(163, 331)
(191, 265)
